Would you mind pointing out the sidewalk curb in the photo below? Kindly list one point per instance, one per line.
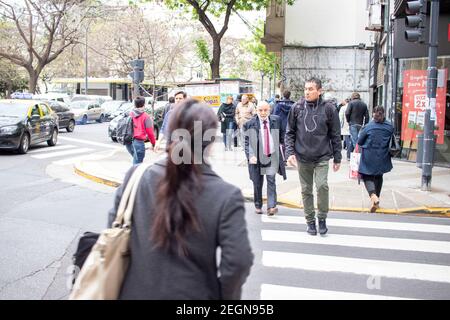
(418, 211)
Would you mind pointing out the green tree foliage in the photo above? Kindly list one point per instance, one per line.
(11, 79)
(206, 11)
(263, 61)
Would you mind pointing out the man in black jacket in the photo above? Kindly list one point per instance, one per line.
(356, 114)
(313, 137)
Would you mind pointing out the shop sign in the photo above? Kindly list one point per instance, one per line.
(415, 102)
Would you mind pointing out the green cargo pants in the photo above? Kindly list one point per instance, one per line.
(318, 172)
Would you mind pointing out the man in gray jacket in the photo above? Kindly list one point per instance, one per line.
(313, 137)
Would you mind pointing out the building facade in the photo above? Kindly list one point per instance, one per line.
(398, 77)
(326, 39)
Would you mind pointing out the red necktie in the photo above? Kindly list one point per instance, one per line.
(266, 139)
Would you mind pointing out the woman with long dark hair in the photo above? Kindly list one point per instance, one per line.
(375, 157)
(182, 214)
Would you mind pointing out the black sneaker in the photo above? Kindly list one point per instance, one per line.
(311, 229)
(323, 226)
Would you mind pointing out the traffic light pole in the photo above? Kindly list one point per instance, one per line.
(428, 131)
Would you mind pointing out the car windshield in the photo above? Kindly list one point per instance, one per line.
(79, 104)
(13, 109)
(126, 106)
(111, 105)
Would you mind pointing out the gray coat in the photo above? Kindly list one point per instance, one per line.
(157, 274)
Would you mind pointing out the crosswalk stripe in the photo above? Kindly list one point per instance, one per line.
(402, 270)
(358, 241)
(46, 149)
(98, 144)
(399, 226)
(61, 153)
(277, 292)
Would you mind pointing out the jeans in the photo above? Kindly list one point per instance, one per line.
(228, 136)
(354, 132)
(318, 172)
(373, 184)
(349, 145)
(271, 192)
(137, 150)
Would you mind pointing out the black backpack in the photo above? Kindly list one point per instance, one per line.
(125, 130)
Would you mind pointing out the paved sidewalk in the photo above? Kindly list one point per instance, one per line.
(401, 192)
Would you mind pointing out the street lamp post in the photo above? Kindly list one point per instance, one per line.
(430, 111)
(86, 63)
(262, 84)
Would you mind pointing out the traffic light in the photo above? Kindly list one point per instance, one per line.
(415, 18)
(138, 70)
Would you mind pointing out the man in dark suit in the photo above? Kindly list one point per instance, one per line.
(264, 135)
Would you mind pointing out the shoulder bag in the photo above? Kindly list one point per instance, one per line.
(104, 269)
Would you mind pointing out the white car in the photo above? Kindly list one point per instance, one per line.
(85, 111)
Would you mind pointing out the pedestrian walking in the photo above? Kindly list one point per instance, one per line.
(375, 157)
(226, 114)
(357, 115)
(345, 129)
(313, 137)
(263, 137)
(179, 97)
(176, 229)
(168, 106)
(245, 110)
(283, 107)
(142, 129)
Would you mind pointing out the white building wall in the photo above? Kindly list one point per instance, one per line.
(312, 23)
(342, 71)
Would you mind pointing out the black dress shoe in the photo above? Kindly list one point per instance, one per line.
(322, 226)
(311, 229)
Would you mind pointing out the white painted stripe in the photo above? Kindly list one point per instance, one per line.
(276, 292)
(62, 147)
(61, 153)
(358, 241)
(98, 144)
(399, 226)
(390, 269)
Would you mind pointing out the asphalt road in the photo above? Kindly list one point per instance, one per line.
(44, 207)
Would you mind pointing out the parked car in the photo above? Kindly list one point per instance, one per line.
(110, 107)
(24, 123)
(66, 118)
(90, 97)
(54, 96)
(85, 111)
(157, 120)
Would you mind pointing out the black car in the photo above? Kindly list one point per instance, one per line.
(26, 122)
(66, 118)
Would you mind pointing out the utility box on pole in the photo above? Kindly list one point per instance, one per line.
(137, 75)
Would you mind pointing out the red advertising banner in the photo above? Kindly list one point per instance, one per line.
(414, 104)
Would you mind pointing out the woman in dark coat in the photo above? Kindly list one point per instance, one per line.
(375, 157)
(183, 213)
(226, 118)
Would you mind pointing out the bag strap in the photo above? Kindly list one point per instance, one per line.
(125, 209)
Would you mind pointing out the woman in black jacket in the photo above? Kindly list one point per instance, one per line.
(183, 213)
(226, 118)
(375, 157)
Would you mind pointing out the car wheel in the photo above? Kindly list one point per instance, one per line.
(84, 120)
(24, 143)
(71, 126)
(102, 118)
(52, 141)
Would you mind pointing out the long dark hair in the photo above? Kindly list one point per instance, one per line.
(175, 212)
(378, 114)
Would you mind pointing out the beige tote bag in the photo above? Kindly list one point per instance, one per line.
(104, 270)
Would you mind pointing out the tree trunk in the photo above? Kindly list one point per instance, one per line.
(215, 62)
(32, 83)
